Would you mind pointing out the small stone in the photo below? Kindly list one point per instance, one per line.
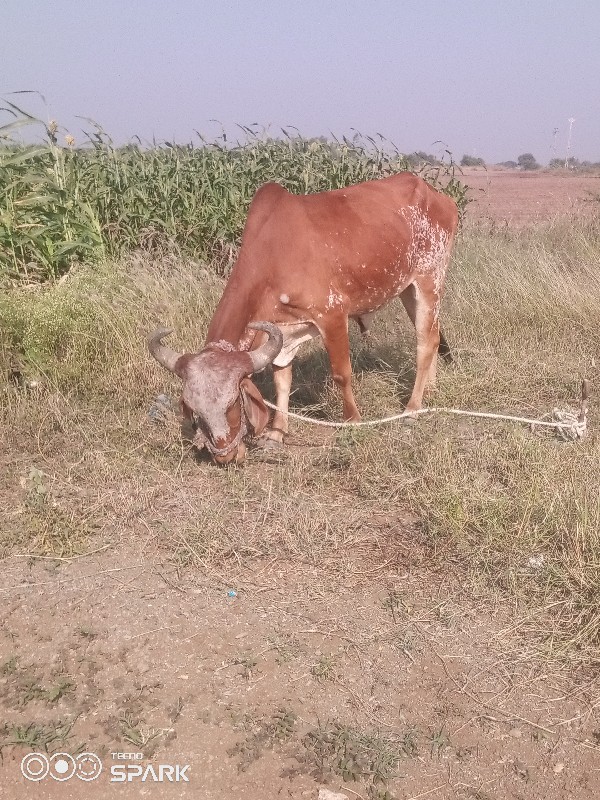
(326, 794)
(558, 768)
(516, 733)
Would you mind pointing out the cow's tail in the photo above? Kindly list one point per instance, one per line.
(444, 349)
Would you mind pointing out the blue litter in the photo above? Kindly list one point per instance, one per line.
(232, 593)
(159, 407)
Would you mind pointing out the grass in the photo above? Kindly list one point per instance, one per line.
(50, 738)
(339, 750)
(333, 750)
(511, 510)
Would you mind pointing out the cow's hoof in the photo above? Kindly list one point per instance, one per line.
(270, 444)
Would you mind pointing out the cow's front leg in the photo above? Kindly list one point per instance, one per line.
(282, 378)
(335, 338)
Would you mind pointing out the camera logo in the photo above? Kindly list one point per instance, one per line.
(61, 766)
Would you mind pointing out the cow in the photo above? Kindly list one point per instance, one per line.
(307, 265)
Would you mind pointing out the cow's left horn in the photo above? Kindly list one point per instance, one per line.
(164, 355)
(263, 356)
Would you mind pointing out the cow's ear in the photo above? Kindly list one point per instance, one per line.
(256, 411)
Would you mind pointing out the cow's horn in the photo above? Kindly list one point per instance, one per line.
(164, 355)
(263, 356)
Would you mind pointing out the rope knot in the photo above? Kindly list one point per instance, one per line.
(569, 426)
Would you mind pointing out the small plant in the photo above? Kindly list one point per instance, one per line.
(287, 648)
(393, 602)
(336, 749)
(248, 664)
(263, 734)
(439, 742)
(31, 689)
(36, 488)
(86, 633)
(324, 669)
(134, 731)
(47, 738)
(9, 667)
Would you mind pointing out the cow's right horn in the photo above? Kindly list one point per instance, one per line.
(164, 355)
(263, 356)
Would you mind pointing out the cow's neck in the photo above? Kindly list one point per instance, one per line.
(233, 314)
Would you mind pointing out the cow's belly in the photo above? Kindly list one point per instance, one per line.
(294, 334)
(367, 298)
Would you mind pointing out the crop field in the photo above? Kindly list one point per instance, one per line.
(522, 198)
(393, 612)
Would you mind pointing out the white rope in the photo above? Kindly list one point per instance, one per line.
(568, 423)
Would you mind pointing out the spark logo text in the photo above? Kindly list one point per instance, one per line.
(120, 773)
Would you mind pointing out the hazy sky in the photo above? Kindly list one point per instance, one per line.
(492, 78)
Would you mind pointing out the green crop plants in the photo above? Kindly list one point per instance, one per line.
(62, 203)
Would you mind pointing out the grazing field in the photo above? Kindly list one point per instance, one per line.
(397, 612)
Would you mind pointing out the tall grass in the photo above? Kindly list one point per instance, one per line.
(60, 203)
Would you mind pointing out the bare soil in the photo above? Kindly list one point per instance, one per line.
(521, 198)
(308, 676)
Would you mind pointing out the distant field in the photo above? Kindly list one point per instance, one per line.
(528, 197)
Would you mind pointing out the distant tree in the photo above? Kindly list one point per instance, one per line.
(572, 163)
(527, 161)
(508, 164)
(472, 161)
(419, 158)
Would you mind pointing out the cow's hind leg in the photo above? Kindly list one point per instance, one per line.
(421, 301)
(335, 338)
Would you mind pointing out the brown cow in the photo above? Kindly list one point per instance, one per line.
(308, 264)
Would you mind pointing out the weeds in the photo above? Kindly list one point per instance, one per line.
(336, 749)
(48, 738)
(324, 669)
(263, 734)
(134, 731)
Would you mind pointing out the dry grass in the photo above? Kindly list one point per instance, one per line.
(512, 510)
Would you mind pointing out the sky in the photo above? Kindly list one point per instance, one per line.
(490, 78)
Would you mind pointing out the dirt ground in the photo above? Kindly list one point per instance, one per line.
(306, 678)
(373, 677)
(520, 198)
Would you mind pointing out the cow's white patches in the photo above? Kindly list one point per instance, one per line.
(334, 299)
(294, 335)
(284, 298)
(429, 250)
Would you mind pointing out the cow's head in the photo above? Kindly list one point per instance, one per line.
(218, 396)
